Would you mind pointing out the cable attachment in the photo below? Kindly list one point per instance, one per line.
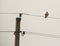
(20, 15)
(46, 14)
(22, 33)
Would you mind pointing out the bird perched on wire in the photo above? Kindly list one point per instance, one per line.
(46, 14)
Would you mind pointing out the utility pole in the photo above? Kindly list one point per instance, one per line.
(17, 32)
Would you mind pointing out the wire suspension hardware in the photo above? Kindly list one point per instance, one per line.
(46, 15)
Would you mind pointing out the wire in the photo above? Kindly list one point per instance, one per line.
(9, 13)
(31, 15)
(42, 34)
(38, 34)
(6, 31)
(40, 16)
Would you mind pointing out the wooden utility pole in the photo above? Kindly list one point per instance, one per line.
(17, 32)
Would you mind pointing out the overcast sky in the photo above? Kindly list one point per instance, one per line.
(30, 23)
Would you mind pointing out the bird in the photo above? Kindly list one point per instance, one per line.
(46, 14)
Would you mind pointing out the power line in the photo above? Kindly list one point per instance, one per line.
(41, 16)
(6, 31)
(34, 33)
(32, 15)
(9, 13)
(42, 34)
